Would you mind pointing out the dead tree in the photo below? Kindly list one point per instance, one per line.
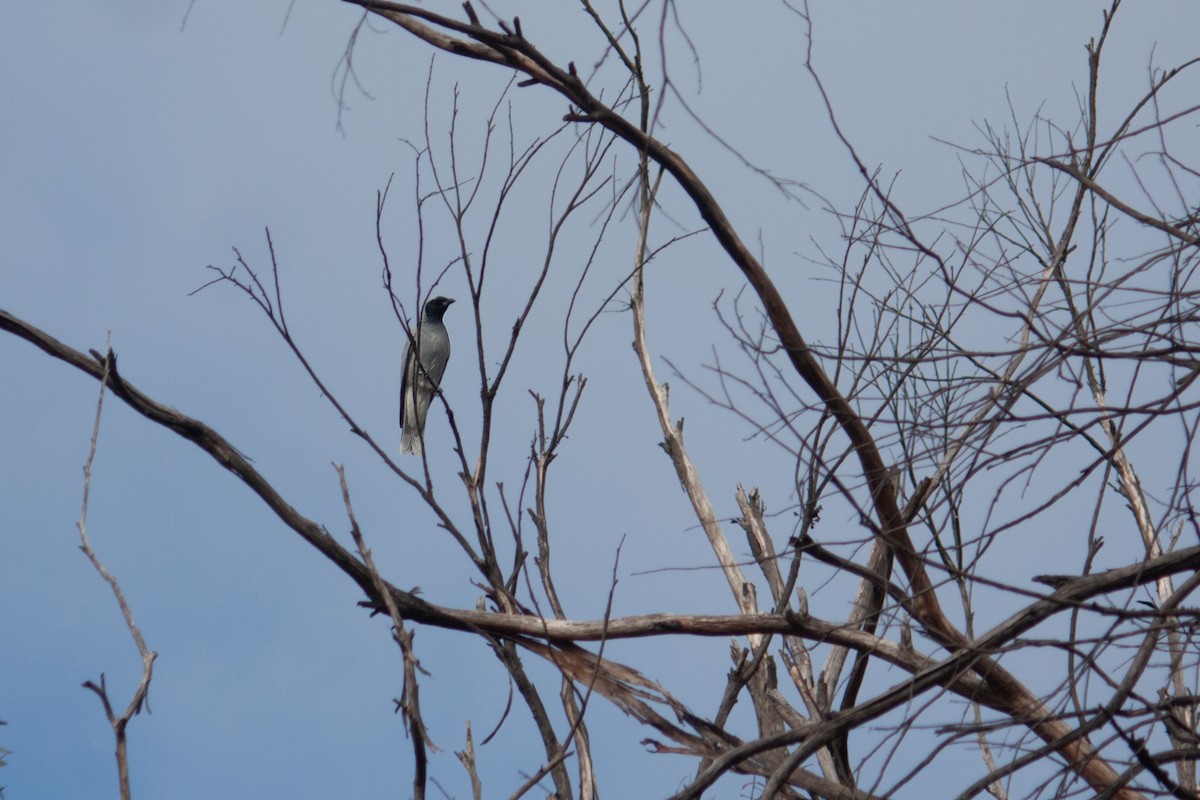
(1020, 363)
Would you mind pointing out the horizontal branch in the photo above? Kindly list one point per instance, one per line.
(1070, 595)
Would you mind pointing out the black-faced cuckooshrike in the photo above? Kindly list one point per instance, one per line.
(419, 382)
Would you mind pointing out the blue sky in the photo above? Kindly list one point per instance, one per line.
(136, 154)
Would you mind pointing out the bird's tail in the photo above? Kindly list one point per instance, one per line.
(410, 442)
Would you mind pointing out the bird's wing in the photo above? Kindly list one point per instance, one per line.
(438, 354)
(404, 377)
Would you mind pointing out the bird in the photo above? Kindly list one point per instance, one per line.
(421, 376)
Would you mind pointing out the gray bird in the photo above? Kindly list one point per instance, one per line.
(419, 383)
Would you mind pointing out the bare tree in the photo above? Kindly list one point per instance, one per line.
(1019, 363)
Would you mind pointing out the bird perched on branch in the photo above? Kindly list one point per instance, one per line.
(421, 376)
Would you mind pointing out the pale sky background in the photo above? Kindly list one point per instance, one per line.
(136, 153)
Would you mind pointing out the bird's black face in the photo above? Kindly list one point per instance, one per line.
(437, 306)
